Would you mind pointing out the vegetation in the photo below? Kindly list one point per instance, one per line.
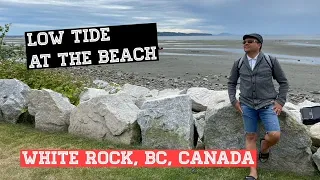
(16, 137)
(54, 79)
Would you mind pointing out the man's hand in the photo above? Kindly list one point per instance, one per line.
(238, 107)
(277, 108)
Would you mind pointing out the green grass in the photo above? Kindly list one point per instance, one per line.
(14, 137)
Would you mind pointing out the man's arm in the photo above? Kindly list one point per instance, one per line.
(232, 83)
(280, 77)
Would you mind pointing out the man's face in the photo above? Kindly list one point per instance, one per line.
(251, 45)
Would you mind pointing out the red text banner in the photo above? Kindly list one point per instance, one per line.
(137, 158)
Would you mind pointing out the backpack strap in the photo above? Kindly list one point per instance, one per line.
(240, 63)
(270, 63)
(267, 57)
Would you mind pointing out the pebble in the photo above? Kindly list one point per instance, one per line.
(161, 82)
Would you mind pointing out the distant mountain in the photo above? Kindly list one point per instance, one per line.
(15, 36)
(182, 34)
(223, 34)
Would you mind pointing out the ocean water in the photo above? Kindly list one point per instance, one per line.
(315, 60)
(303, 44)
(238, 37)
(188, 54)
(174, 41)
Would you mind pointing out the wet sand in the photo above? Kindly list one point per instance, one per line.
(206, 66)
(210, 68)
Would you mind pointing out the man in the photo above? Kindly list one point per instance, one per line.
(258, 98)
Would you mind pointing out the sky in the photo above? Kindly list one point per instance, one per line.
(268, 17)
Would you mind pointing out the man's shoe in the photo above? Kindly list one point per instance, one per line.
(250, 178)
(263, 157)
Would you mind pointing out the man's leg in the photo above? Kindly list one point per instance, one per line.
(271, 123)
(250, 121)
(251, 140)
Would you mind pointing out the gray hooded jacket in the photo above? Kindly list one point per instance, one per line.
(256, 86)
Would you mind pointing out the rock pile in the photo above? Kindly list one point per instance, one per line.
(166, 119)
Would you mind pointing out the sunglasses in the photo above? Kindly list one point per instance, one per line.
(249, 41)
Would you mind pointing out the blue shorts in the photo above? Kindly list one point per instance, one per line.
(266, 114)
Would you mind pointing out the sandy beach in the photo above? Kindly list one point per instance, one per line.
(184, 64)
(207, 63)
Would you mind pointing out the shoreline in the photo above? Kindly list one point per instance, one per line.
(165, 75)
(210, 68)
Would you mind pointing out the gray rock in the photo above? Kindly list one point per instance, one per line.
(293, 110)
(224, 130)
(200, 123)
(13, 99)
(316, 158)
(101, 84)
(50, 109)
(152, 93)
(167, 123)
(134, 90)
(314, 149)
(202, 98)
(315, 134)
(109, 117)
(90, 93)
(307, 103)
(113, 90)
(169, 92)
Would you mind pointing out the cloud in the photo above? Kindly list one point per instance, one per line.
(3, 19)
(62, 3)
(167, 14)
(3, 9)
(107, 15)
(142, 18)
(182, 21)
(209, 16)
(31, 27)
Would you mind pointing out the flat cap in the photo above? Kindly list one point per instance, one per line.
(254, 35)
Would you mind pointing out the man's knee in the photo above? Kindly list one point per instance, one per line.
(251, 137)
(274, 136)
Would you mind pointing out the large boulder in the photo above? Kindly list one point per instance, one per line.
(293, 110)
(316, 158)
(134, 90)
(315, 134)
(224, 130)
(90, 93)
(203, 98)
(169, 92)
(167, 122)
(50, 109)
(13, 99)
(199, 119)
(111, 117)
(153, 94)
(307, 103)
